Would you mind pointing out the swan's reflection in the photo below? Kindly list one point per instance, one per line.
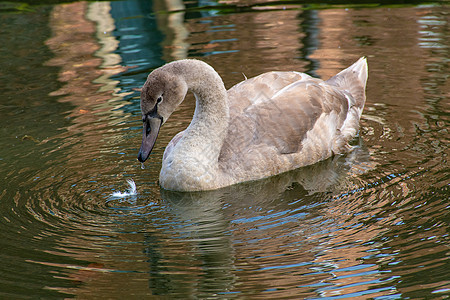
(222, 238)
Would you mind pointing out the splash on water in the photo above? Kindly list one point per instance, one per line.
(142, 166)
(132, 191)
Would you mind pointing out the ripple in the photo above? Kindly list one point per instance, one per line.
(371, 224)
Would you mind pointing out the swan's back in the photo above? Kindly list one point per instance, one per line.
(280, 121)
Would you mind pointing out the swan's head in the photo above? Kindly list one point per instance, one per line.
(161, 94)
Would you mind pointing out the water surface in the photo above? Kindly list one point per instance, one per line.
(370, 224)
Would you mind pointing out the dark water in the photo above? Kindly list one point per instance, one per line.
(371, 224)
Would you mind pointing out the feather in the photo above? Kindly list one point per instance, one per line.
(132, 191)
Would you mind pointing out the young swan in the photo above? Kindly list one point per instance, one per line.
(263, 126)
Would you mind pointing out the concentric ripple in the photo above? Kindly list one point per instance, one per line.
(372, 224)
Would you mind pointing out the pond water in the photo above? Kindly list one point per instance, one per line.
(372, 224)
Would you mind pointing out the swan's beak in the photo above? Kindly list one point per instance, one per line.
(149, 135)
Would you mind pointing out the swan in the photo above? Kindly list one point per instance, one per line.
(262, 126)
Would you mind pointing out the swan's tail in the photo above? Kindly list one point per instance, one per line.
(353, 79)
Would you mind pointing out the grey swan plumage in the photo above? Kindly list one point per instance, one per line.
(262, 126)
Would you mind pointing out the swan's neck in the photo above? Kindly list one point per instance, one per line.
(196, 154)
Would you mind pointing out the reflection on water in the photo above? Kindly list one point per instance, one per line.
(371, 224)
(234, 234)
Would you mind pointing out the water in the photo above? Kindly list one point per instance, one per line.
(371, 224)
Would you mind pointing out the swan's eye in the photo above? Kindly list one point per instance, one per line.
(159, 100)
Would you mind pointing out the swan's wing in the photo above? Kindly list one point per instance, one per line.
(261, 88)
(280, 125)
(282, 113)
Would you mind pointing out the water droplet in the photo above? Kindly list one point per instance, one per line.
(142, 166)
